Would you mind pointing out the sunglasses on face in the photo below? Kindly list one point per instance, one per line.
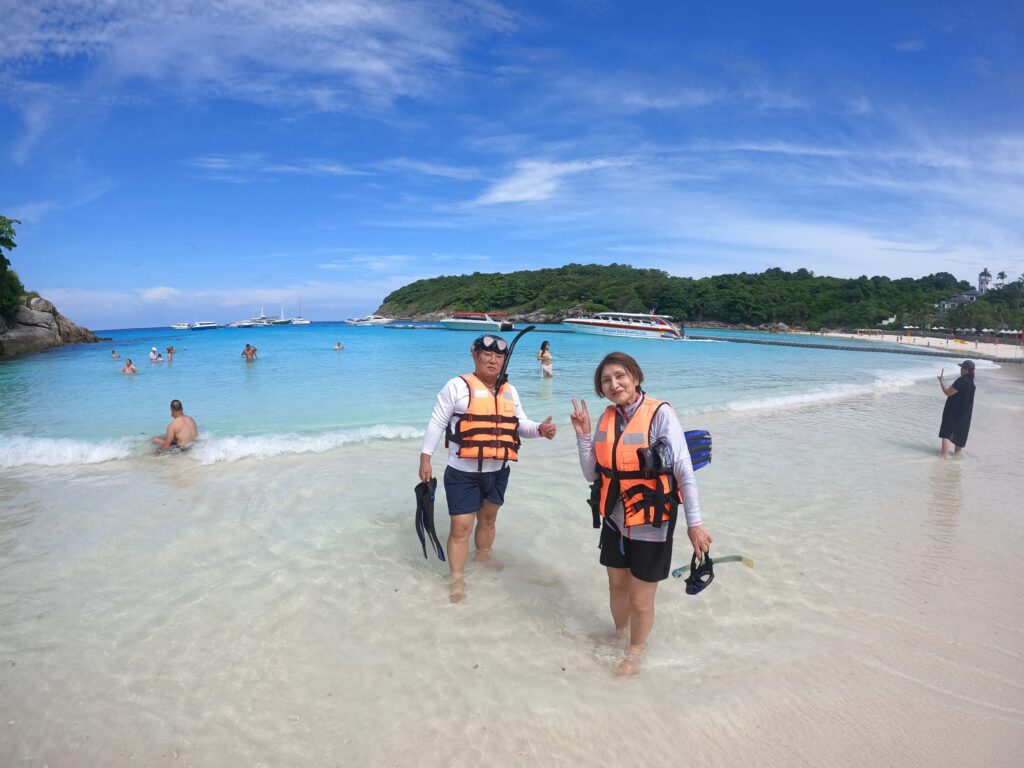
(494, 344)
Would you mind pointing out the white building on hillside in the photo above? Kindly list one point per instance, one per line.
(984, 280)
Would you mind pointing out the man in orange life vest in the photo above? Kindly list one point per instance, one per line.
(482, 429)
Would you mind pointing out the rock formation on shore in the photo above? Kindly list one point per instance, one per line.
(37, 327)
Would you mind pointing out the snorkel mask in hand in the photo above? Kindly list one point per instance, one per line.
(700, 575)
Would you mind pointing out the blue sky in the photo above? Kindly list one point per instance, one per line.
(176, 161)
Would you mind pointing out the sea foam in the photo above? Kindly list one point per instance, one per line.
(21, 450)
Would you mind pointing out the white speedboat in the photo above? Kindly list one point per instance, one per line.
(629, 324)
(181, 326)
(476, 321)
(369, 320)
(204, 325)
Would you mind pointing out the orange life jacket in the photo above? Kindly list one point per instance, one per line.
(489, 429)
(631, 471)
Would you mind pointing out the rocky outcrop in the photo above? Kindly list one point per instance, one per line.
(37, 327)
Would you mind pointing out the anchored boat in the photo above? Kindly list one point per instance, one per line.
(476, 321)
(630, 324)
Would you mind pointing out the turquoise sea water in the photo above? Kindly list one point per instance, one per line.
(72, 405)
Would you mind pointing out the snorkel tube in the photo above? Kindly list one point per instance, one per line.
(503, 376)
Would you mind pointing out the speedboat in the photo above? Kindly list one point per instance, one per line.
(476, 321)
(205, 325)
(370, 320)
(181, 326)
(631, 324)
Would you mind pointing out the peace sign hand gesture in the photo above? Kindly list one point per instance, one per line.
(580, 417)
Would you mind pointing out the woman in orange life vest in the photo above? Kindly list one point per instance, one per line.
(638, 506)
(482, 430)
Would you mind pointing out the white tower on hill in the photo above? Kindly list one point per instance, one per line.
(984, 280)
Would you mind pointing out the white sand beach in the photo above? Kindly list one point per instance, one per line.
(279, 612)
(1008, 351)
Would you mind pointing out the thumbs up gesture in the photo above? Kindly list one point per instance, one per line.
(548, 428)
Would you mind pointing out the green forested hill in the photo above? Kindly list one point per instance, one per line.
(774, 296)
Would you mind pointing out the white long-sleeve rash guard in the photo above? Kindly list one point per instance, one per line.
(454, 399)
(666, 427)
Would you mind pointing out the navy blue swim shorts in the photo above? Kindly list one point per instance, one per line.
(466, 491)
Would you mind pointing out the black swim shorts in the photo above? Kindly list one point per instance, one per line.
(466, 491)
(646, 560)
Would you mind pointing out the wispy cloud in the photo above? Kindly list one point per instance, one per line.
(404, 164)
(535, 180)
(911, 45)
(243, 167)
(363, 262)
(324, 53)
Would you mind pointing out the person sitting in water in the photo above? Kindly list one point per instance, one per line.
(338, 346)
(128, 367)
(153, 355)
(249, 353)
(114, 355)
(181, 432)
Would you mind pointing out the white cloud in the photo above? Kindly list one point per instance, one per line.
(161, 294)
(535, 180)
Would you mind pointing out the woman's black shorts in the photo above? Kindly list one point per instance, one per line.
(646, 560)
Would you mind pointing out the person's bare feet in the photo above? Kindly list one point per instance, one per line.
(456, 588)
(487, 560)
(631, 659)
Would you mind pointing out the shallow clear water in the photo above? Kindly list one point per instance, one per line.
(72, 405)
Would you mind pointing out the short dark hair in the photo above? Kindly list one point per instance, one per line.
(176, 405)
(618, 358)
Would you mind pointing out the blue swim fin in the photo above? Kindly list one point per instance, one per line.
(698, 441)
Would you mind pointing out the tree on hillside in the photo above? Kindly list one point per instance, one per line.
(1001, 277)
(10, 286)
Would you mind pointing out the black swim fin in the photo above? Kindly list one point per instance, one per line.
(425, 517)
(698, 441)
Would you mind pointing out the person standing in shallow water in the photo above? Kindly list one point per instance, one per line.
(637, 515)
(544, 355)
(482, 429)
(956, 414)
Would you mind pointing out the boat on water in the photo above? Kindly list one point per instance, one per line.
(282, 320)
(299, 319)
(629, 324)
(262, 321)
(204, 325)
(181, 326)
(369, 320)
(476, 321)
